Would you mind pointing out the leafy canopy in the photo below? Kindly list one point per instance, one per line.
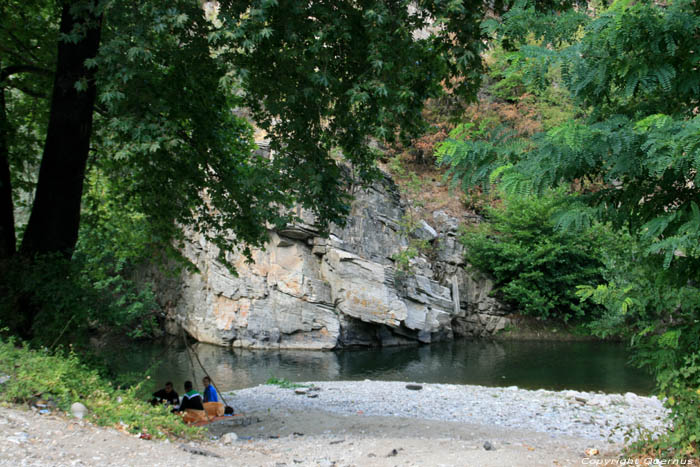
(314, 76)
(172, 149)
(634, 73)
(633, 151)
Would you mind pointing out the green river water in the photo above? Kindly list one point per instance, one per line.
(589, 366)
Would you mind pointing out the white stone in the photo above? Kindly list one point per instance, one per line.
(425, 231)
(228, 438)
(78, 410)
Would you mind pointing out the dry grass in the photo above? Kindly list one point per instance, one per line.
(434, 194)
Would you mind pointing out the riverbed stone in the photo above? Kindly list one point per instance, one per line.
(541, 411)
(306, 291)
(78, 410)
(228, 438)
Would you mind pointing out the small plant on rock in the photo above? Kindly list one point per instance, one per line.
(283, 383)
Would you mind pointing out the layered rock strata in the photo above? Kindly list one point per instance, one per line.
(304, 291)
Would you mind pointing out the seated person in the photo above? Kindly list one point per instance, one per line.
(166, 395)
(210, 394)
(191, 399)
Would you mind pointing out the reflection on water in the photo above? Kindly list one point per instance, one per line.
(590, 366)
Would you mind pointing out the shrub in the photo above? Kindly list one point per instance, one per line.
(67, 300)
(536, 267)
(658, 309)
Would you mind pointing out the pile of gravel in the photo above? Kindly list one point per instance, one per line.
(583, 414)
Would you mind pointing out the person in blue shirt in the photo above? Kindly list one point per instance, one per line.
(210, 394)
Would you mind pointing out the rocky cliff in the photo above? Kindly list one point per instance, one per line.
(307, 292)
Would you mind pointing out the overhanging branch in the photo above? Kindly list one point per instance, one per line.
(16, 69)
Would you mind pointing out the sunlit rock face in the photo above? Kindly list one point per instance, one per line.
(307, 292)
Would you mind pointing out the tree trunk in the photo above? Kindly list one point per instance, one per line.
(55, 218)
(7, 217)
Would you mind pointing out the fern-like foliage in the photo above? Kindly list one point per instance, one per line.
(634, 74)
(633, 149)
(525, 20)
(638, 58)
(470, 160)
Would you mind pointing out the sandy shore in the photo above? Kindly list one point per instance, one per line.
(298, 430)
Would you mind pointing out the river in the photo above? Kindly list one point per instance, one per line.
(588, 366)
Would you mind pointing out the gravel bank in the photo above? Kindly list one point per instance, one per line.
(289, 438)
(366, 423)
(594, 416)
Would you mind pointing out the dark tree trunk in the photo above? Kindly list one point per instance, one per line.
(7, 217)
(55, 218)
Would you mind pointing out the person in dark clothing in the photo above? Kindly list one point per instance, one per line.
(167, 395)
(191, 399)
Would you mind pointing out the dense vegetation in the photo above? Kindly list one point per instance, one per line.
(118, 127)
(123, 126)
(628, 152)
(535, 266)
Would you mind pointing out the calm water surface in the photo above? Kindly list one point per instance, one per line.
(590, 366)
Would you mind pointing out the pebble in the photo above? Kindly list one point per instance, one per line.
(18, 438)
(78, 410)
(228, 438)
(559, 413)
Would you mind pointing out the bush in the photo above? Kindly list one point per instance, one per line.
(536, 267)
(657, 309)
(64, 379)
(54, 300)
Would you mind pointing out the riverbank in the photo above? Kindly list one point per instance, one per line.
(528, 328)
(596, 416)
(29, 439)
(369, 423)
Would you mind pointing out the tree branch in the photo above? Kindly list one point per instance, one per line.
(30, 92)
(16, 69)
(22, 45)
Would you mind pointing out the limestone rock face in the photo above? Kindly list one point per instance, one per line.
(307, 292)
